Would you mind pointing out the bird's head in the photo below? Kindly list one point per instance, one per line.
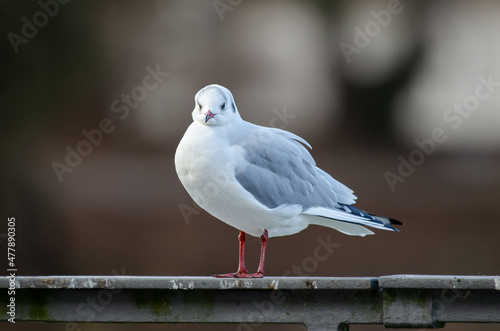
(214, 105)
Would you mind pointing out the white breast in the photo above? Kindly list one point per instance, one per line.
(205, 163)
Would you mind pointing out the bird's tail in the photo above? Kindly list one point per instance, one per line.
(349, 220)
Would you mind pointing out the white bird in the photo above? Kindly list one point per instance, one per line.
(260, 180)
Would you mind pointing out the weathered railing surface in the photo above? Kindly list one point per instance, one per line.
(322, 303)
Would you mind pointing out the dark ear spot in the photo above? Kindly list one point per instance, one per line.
(232, 106)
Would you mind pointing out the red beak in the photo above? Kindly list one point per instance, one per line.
(208, 116)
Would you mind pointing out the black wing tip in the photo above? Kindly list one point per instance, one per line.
(391, 220)
(386, 222)
(395, 222)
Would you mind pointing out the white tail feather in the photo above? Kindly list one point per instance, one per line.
(343, 227)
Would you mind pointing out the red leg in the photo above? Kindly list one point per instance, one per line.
(263, 239)
(242, 272)
(260, 271)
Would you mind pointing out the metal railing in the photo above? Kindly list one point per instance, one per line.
(321, 303)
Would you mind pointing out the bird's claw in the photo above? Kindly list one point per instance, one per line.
(240, 275)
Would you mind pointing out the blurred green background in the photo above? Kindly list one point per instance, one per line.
(367, 83)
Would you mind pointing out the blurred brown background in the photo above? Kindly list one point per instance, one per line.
(360, 80)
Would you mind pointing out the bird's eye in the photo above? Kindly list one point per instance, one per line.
(199, 106)
(223, 106)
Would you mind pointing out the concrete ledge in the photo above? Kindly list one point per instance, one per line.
(441, 282)
(320, 303)
(191, 283)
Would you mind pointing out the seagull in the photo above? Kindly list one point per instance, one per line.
(262, 181)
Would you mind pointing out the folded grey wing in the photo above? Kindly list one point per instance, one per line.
(279, 170)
